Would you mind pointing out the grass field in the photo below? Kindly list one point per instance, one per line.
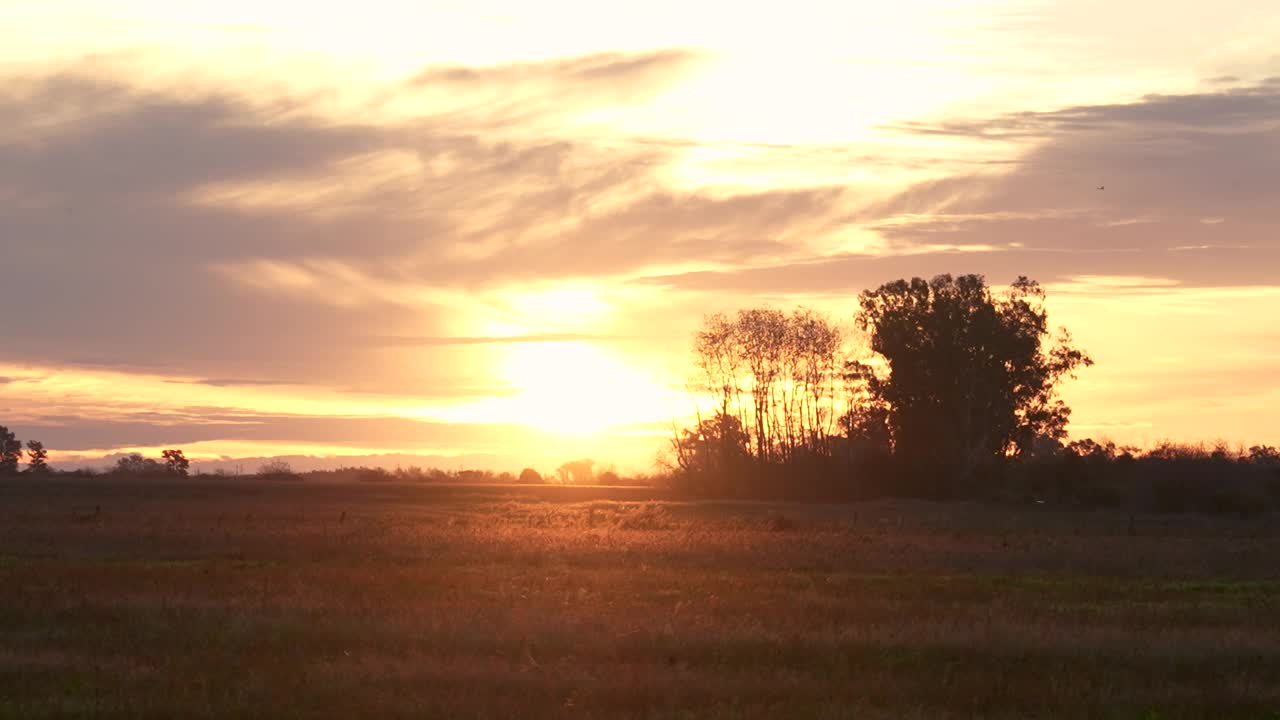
(194, 599)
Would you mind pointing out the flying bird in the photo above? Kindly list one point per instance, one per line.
(1102, 187)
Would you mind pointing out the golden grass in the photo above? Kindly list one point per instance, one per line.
(291, 600)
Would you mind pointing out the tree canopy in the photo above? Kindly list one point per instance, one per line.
(955, 380)
(965, 377)
(10, 451)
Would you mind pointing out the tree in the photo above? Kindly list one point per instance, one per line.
(175, 462)
(716, 446)
(968, 378)
(777, 375)
(37, 457)
(529, 476)
(10, 451)
(277, 469)
(137, 465)
(576, 472)
(1264, 455)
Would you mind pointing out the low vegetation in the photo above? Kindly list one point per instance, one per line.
(131, 597)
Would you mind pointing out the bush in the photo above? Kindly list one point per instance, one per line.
(276, 470)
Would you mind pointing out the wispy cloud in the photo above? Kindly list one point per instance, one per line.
(429, 341)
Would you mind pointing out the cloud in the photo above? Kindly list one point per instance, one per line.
(202, 232)
(546, 97)
(308, 442)
(1234, 108)
(71, 434)
(1182, 173)
(591, 74)
(420, 341)
(232, 382)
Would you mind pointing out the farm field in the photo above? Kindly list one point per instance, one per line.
(232, 599)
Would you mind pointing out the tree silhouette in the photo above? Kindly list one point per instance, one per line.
(10, 451)
(969, 379)
(716, 447)
(777, 375)
(278, 469)
(529, 476)
(577, 472)
(136, 464)
(37, 457)
(175, 462)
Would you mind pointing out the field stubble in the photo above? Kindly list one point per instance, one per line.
(293, 600)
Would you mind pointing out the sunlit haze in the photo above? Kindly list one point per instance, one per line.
(484, 232)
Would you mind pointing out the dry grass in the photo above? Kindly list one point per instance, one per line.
(141, 600)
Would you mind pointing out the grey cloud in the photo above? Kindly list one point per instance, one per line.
(1178, 171)
(850, 274)
(1189, 195)
(1229, 109)
(98, 212)
(233, 382)
(71, 434)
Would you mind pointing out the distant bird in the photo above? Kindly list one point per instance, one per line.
(1102, 187)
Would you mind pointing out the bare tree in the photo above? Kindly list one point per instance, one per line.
(777, 375)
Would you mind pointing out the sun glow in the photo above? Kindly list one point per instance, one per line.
(571, 387)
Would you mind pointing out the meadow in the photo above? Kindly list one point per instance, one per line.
(227, 598)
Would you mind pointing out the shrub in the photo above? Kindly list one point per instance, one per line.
(276, 470)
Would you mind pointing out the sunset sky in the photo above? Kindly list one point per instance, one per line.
(486, 230)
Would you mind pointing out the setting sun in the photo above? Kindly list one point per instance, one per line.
(571, 387)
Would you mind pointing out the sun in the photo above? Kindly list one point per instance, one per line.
(578, 387)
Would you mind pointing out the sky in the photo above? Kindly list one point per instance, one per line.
(484, 232)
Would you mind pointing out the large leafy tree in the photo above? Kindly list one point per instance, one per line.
(968, 377)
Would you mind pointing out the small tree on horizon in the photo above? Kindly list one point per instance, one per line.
(576, 472)
(277, 468)
(529, 476)
(137, 465)
(37, 457)
(175, 462)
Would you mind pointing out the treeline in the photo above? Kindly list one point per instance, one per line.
(173, 463)
(950, 391)
(11, 455)
(1168, 477)
(575, 472)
